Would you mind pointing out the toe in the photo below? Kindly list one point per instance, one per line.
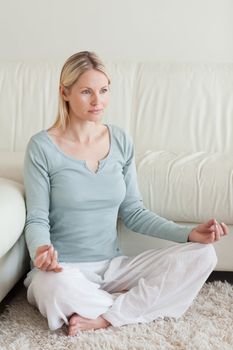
(73, 331)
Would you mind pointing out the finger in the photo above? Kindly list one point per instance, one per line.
(40, 259)
(49, 256)
(46, 263)
(54, 266)
(53, 261)
(212, 237)
(224, 228)
(42, 249)
(220, 230)
(217, 232)
(212, 227)
(58, 268)
(210, 223)
(208, 238)
(204, 228)
(207, 227)
(51, 252)
(51, 248)
(41, 255)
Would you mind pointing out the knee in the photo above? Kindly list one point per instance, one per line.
(47, 284)
(208, 254)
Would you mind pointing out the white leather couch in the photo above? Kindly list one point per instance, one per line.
(181, 119)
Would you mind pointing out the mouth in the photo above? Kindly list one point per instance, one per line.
(95, 111)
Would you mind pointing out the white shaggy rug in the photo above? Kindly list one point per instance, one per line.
(208, 324)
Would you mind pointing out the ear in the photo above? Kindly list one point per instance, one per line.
(64, 92)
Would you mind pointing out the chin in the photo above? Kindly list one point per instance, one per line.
(95, 118)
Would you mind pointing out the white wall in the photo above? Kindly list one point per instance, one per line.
(161, 30)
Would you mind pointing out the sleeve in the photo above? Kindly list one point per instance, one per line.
(37, 188)
(139, 219)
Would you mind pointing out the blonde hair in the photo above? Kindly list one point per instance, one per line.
(74, 66)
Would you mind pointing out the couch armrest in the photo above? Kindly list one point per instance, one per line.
(12, 214)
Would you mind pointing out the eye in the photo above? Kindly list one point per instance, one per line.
(104, 90)
(85, 92)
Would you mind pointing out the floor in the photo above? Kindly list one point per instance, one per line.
(221, 276)
(10, 295)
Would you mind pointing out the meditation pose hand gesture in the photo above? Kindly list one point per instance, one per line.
(209, 232)
(46, 259)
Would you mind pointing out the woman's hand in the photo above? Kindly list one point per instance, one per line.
(46, 259)
(209, 232)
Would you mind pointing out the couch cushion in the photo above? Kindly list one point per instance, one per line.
(12, 213)
(190, 187)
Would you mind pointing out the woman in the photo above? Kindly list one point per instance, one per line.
(79, 177)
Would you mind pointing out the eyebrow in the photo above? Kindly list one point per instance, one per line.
(86, 87)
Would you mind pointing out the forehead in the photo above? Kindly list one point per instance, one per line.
(92, 78)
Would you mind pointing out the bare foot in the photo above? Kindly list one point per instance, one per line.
(78, 323)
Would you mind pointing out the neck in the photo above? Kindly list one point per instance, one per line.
(82, 132)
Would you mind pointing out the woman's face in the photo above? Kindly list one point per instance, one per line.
(88, 97)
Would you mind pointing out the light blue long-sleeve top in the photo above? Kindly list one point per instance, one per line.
(76, 209)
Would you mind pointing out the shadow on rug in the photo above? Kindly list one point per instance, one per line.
(207, 325)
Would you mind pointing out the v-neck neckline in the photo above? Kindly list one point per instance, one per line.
(101, 162)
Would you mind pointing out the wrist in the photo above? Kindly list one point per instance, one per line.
(190, 236)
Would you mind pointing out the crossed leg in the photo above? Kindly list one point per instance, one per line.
(160, 283)
(68, 297)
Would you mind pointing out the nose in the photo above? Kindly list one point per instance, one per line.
(95, 99)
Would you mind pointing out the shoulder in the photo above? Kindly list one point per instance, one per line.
(39, 140)
(123, 140)
(121, 135)
(38, 146)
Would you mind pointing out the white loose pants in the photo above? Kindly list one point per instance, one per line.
(159, 283)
